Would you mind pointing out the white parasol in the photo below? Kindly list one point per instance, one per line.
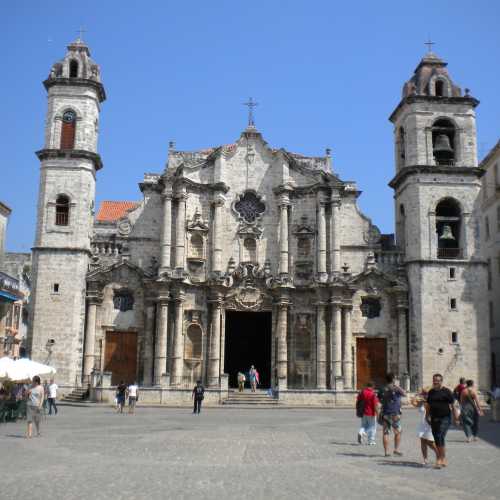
(23, 369)
(5, 364)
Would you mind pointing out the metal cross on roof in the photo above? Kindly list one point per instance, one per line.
(251, 104)
(80, 32)
(429, 44)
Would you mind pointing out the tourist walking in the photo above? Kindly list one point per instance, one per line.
(440, 409)
(52, 397)
(46, 396)
(198, 395)
(133, 396)
(121, 393)
(390, 398)
(34, 406)
(459, 388)
(252, 375)
(241, 381)
(367, 408)
(470, 411)
(424, 431)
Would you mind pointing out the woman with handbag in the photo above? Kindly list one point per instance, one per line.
(470, 411)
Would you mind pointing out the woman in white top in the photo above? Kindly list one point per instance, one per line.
(424, 430)
(34, 406)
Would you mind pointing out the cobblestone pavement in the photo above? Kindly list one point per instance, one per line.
(91, 452)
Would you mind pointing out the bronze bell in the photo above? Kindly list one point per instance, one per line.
(447, 234)
(442, 145)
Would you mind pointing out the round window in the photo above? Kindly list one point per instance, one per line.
(69, 116)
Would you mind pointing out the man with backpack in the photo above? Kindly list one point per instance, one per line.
(390, 398)
(367, 408)
(198, 395)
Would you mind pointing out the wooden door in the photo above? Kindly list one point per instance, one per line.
(121, 356)
(371, 361)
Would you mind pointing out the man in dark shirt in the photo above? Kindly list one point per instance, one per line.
(198, 395)
(390, 399)
(121, 392)
(440, 406)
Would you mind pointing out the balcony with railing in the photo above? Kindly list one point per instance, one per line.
(449, 253)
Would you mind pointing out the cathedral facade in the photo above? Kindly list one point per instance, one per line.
(244, 254)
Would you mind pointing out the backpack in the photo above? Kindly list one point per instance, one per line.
(389, 396)
(199, 392)
(360, 407)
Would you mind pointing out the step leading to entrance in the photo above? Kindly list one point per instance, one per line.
(250, 398)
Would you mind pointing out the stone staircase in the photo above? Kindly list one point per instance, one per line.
(250, 399)
(75, 396)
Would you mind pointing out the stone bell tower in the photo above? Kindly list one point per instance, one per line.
(436, 186)
(69, 164)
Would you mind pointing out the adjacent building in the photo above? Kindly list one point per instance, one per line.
(490, 234)
(245, 254)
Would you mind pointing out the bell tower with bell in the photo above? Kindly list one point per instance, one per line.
(437, 214)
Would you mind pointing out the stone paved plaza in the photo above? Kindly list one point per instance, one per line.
(91, 452)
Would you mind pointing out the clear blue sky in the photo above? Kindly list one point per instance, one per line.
(326, 74)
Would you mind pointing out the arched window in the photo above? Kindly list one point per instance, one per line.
(62, 210)
(68, 129)
(250, 246)
(439, 88)
(123, 300)
(192, 345)
(196, 246)
(443, 142)
(73, 68)
(448, 229)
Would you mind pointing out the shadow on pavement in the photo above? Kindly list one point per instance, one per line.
(357, 455)
(339, 443)
(401, 463)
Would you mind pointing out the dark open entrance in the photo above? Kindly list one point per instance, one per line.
(248, 342)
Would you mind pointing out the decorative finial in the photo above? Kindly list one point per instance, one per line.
(251, 104)
(467, 92)
(429, 44)
(328, 151)
(80, 32)
(171, 145)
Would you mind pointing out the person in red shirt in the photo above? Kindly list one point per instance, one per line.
(459, 388)
(367, 408)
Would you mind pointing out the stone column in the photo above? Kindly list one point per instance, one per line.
(166, 230)
(180, 230)
(322, 274)
(433, 239)
(178, 346)
(161, 350)
(89, 346)
(320, 346)
(282, 327)
(148, 345)
(402, 341)
(214, 354)
(336, 329)
(283, 208)
(335, 235)
(347, 345)
(218, 203)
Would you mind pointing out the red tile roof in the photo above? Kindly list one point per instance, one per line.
(110, 211)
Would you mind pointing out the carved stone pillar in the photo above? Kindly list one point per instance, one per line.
(347, 345)
(180, 230)
(402, 341)
(320, 346)
(166, 230)
(215, 335)
(335, 226)
(178, 345)
(322, 273)
(336, 329)
(282, 328)
(218, 203)
(284, 253)
(161, 349)
(147, 378)
(89, 346)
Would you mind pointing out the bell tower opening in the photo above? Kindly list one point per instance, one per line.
(248, 342)
(443, 142)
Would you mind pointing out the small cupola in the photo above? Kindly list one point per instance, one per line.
(431, 79)
(77, 67)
